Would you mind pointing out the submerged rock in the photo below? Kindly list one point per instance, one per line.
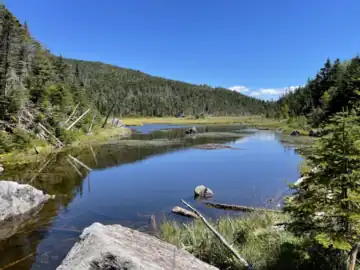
(17, 199)
(191, 130)
(117, 247)
(203, 192)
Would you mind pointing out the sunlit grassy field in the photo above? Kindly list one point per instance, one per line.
(255, 121)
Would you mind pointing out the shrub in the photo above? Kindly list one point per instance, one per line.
(6, 143)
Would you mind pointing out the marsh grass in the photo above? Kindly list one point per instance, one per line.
(255, 236)
(254, 121)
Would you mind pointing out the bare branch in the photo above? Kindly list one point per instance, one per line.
(219, 236)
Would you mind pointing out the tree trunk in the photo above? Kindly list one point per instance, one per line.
(108, 115)
(91, 125)
(353, 256)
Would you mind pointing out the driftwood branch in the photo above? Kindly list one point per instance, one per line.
(94, 155)
(240, 208)
(91, 125)
(18, 261)
(74, 166)
(49, 133)
(77, 120)
(181, 211)
(79, 162)
(219, 236)
(72, 114)
(42, 168)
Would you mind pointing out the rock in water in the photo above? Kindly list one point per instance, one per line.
(17, 199)
(191, 130)
(204, 192)
(117, 247)
(295, 133)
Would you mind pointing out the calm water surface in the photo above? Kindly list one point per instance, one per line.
(130, 183)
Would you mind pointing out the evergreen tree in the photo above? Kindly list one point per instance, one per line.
(326, 203)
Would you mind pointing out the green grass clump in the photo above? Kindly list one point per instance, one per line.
(255, 237)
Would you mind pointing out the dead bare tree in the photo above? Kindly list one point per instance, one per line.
(108, 115)
(78, 119)
(72, 114)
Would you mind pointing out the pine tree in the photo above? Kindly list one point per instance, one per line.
(326, 205)
(4, 60)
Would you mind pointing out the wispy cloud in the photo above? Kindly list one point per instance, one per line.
(266, 93)
(240, 88)
(255, 94)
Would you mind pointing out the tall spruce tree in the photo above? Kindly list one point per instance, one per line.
(326, 205)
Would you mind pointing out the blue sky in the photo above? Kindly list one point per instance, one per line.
(260, 47)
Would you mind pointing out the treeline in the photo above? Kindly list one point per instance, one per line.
(37, 87)
(334, 88)
(138, 94)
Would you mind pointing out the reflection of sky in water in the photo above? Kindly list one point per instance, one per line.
(242, 140)
(125, 194)
(265, 136)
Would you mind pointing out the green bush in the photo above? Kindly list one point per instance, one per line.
(6, 143)
(66, 136)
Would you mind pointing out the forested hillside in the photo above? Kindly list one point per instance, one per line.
(40, 89)
(51, 83)
(334, 88)
(136, 93)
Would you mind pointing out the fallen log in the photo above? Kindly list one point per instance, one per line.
(220, 237)
(78, 119)
(81, 163)
(241, 208)
(183, 212)
(74, 166)
(52, 136)
(72, 114)
(18, 261)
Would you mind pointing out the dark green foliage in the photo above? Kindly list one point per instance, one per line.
(335, 87)
(326, 204)
(139, 94)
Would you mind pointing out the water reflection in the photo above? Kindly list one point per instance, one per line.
(148, 175)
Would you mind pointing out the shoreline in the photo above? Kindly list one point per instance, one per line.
(100, 135)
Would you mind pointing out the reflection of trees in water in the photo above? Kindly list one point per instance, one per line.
(25, 242)
(59, 178)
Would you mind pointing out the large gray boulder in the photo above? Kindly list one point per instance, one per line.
(17, 199)
(117, 247)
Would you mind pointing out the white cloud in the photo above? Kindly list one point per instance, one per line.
(264, 93)
(255, 94)
(240, 89)
(270, 91)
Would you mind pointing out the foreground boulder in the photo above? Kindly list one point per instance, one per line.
(117, 247)
(17, 199)
(203, 192)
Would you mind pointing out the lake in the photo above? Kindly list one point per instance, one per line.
(145, 175)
